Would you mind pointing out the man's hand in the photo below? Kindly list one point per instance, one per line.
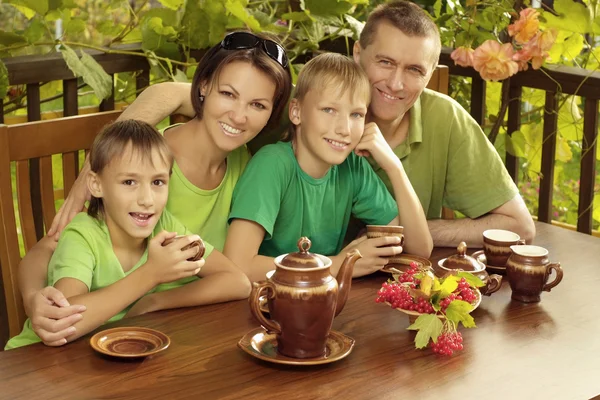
(374, 144)
(52, 317)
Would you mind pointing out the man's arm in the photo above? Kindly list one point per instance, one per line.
(512, 215)
(159, 101)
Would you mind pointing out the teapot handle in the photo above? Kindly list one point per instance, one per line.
(559, 275)
(493, 285)
(257, 288)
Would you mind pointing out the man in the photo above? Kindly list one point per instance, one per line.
(446, 155)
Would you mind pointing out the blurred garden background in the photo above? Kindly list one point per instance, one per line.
(171, 34)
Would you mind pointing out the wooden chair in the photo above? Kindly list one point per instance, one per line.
(30, 147)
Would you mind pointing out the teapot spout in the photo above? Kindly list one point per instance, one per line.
(344, 279)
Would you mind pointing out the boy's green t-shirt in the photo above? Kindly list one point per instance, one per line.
(288, 203)
(84, 252)
(205, 212)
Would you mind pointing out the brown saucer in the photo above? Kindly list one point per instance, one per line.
(260, 344)
(402, 261)
(129, 342)
(480, 256)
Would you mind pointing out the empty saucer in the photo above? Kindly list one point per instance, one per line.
(260, 344)
(129, 342)
(480, 256)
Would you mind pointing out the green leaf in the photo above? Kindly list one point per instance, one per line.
(572, 16)
(9, 38)
(238, 9)
(427, 326)
(35, 31)
(168, 17)
(156, 24)
(437, 8)
(3, 80)
(296, 16)
(458, 311)
(39, 6)
(27, 12)
(109, 28)
(563, 150)
(356, 25)
(596, 204)
(91, 72)
(327, 7)
(180, 76)
(515, 144)
(135, 36)
(471, 279)
(172, 4)
(75, 25)
(448, 286)
(570, 121)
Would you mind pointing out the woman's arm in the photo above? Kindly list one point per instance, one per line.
(243, 241)
(159, 101)
(221, 281)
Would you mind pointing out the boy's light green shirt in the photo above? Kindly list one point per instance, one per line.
(205, 212)
(449, 160)
(84, 252)
(288, 203)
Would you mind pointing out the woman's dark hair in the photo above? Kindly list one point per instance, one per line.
(112, 141)
(217, 57)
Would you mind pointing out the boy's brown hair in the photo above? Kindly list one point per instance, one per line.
(327, 70)
(405, 16)
(216, 58)
(112, 141)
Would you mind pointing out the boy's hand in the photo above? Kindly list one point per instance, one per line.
(168, 263)
(52, 317)
(374, 255)
(374, 144)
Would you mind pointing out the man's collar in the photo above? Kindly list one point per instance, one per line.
(415, 128)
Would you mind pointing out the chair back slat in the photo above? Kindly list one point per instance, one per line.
(22, 144)
(70, 168)
(47, 190)
(24, 204)
(13, 313)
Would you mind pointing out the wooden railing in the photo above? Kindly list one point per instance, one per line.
(31, 71)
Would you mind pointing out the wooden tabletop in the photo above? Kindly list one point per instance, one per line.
(548, 350)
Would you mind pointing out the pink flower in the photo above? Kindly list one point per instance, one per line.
(526, 26)
(536, 50)
(494, 61)
(463, 56)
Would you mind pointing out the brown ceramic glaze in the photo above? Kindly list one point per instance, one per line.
(264, 346)
(401, 263)
(129, 342)
(376, 231)
(528, 269)
(496, 245)
(480, 256)
(303, 298)
(462, 261)
(197, 243)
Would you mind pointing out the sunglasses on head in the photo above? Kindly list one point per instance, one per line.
(247, 40)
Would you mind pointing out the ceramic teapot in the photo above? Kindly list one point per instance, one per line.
(462, 261)
(303, 299)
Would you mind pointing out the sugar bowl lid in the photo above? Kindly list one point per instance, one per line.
(461, 260)
(303, 258)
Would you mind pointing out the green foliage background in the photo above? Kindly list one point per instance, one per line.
(168, 31)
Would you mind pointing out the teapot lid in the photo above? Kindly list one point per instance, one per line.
(461, 260)
(302, 259)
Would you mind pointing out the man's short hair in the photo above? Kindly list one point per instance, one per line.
(409, 18)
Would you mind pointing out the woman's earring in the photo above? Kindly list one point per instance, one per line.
(201, 98)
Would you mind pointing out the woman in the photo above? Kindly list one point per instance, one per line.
(240, 87)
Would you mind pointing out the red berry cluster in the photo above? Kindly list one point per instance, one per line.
(397, 295)
(466, 293)
(447, 343)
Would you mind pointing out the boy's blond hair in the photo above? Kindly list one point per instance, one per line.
(331, 70)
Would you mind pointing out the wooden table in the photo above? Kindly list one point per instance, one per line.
(519, 351)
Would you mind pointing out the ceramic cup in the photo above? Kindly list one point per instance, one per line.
(197, 243)
(376, 231)
(496, 245)
(528, 270)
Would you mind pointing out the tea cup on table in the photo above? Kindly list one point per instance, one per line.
(496, 245)
(528, 269)
(377, 231)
